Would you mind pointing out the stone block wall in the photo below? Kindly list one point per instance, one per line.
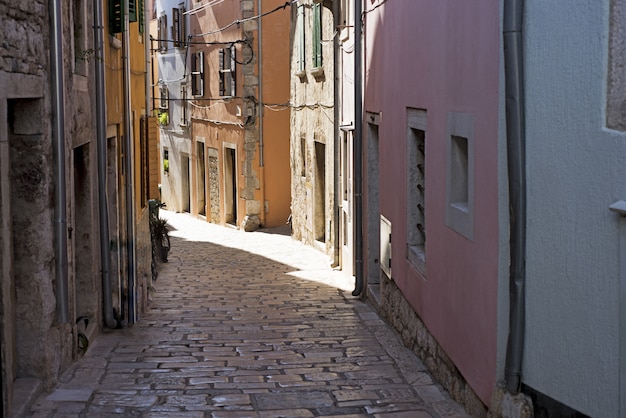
(397, 311)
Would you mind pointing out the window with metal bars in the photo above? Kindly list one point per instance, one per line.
(227, 72)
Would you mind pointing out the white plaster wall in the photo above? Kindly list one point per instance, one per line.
(575, 169)
(174, 137)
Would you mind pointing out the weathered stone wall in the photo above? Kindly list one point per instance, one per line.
(40, 347)
(397, 311)
(24, 36)
(251, 179)
(33, 243)
(312, 121)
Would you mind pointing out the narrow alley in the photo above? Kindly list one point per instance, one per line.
(248, 325)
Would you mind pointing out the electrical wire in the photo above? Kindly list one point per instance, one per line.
(240, 21)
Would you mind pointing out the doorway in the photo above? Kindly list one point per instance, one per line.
(230, 184)
(82, 236)
(347, 202)
(200, 179)
(319, 193)
(185, 183)
(373, 212)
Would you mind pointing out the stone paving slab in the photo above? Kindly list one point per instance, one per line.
(248, 325)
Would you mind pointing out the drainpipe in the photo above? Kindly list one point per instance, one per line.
(101, 139)
(336, 115)
(358, 152)
(516, 149)
(58, 138)
(128, 168)
(148, 54)
(261, 113)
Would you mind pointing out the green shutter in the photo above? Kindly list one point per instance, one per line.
(132, 10)
(141, 16)
(317, 35)
(116, 16)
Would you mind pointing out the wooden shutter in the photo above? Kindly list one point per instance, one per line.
(317, 35)
(132, 10)
(197, 74)
(141, 17)
(183, 27)
(176, 26)
(222, 74)
(232, 71)
(116, 16)
(163, 33)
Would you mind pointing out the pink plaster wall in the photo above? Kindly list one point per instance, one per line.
(441, 56)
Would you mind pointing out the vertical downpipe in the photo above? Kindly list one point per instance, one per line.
(102, 164)
(58, 138)
(128, 168)
(516, 150)
(358, 151)
(261, 112)
(336, 143)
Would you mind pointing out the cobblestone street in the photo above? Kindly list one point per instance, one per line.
(248, 325)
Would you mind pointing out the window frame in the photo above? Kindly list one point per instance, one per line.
(197, 74)
(227, 73)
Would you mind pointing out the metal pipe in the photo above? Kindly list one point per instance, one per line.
(260, 70)
(516, 150)
(336, 115)
(98, 29)
(58, 138)
(358, 152)
(128, 153)
(261, 114)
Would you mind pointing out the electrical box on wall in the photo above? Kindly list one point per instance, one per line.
(385, 246)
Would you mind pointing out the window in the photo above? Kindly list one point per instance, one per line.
(116, 16)
(301, 60)
(164, 106)
(136, 13)
(178, 26)
(183, 105)
(162, 33)
(460, 174)
(197, 74)
(132, 10)
(166, 160)
(317, 35)
(416, 188)
(164, 97)
(142, 14)
(227, 72)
